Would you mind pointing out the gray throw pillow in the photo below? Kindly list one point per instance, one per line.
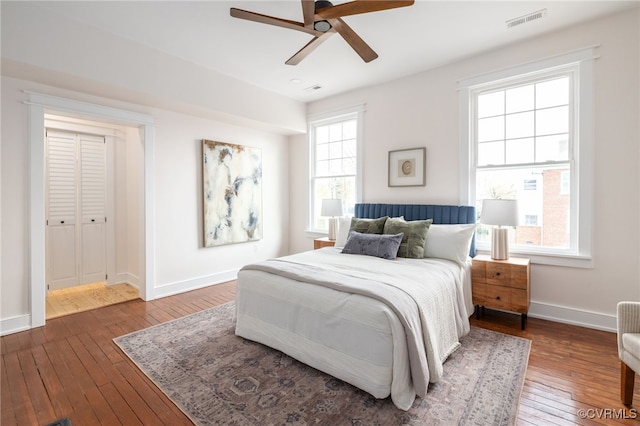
(368, 226)
(378, 245)
(415, 235)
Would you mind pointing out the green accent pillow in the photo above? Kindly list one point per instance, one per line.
(415, 235)
(368, 226)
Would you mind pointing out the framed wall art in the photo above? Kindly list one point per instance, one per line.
(232, 189)
(407, 167)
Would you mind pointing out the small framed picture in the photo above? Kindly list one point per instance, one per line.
(407, 167)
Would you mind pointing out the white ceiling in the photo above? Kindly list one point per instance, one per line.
(408, 40)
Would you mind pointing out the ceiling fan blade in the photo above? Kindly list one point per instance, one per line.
(360, 6)
(270, 20)
(308, 10)
(308, 48)
(358, 44)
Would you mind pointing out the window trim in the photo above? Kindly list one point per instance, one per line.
(316, 120)
(583, 61)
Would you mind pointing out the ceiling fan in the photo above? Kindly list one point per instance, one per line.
(322, 19)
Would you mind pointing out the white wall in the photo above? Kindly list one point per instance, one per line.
(15, 219)
(179, 235)
(422, 110)
(181, 261)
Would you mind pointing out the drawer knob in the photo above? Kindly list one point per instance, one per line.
(498, 298)
(498, 274)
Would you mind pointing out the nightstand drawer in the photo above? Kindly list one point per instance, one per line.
(492, 295)
(507, 275)
(498, 273)
(503, 274)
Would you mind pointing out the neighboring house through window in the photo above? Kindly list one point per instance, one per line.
(334, 162)
(529, 137)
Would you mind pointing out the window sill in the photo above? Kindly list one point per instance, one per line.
(315, 233)
(566, 260)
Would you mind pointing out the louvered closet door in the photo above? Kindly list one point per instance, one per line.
(92, 209)
(76, 205)
(62, 206)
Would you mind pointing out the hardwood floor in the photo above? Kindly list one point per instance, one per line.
(71, 368)
(82, 298)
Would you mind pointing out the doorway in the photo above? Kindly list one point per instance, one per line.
(82, 239)
(139, 126)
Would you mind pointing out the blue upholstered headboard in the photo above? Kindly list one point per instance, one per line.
(441, 214)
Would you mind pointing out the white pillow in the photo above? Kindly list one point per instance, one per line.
(451, 242)
(344, 223)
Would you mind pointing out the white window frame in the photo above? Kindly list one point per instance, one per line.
(581, 63)
(317, 120)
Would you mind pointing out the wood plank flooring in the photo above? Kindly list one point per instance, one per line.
(82, 298)
(71, 368)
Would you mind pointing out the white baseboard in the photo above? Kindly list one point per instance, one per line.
(127, 278)
(572, 316)
(15, 324)
(177, 287)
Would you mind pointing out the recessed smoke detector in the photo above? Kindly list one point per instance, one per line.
(313, 88)
(526, 18)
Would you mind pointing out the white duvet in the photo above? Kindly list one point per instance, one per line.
(384, 326)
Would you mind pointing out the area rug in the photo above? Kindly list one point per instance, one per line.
(216, 377)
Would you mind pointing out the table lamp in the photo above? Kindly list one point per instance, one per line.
(332, 208)
(499, 213)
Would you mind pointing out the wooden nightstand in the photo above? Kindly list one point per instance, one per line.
(323, 242)
(501, 284)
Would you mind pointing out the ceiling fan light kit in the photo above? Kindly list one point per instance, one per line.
(322, 19)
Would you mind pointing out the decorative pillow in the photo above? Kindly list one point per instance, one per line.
(449, 242)
(368, 226)
(344, 223)
(378, 245)
(415, 235)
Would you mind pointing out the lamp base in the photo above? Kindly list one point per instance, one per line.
(500, 243)
(332, 228)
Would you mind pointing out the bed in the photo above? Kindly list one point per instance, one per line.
(369, 321)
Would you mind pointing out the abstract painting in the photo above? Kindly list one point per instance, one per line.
(232, 193)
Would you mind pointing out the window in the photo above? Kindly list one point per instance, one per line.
(529, 137)
(523, 132)
(530, 184)
(334, 164)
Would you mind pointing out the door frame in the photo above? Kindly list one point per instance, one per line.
(39, 105)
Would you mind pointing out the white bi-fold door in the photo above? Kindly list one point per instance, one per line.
(76, 209)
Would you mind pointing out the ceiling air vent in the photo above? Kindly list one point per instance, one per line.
(313, 88)
(526, 18)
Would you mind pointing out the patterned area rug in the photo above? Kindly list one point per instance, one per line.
(216, 377)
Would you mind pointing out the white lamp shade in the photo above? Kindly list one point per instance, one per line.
(331, 208)
(499, 212)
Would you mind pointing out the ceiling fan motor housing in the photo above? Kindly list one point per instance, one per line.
(322, 26)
